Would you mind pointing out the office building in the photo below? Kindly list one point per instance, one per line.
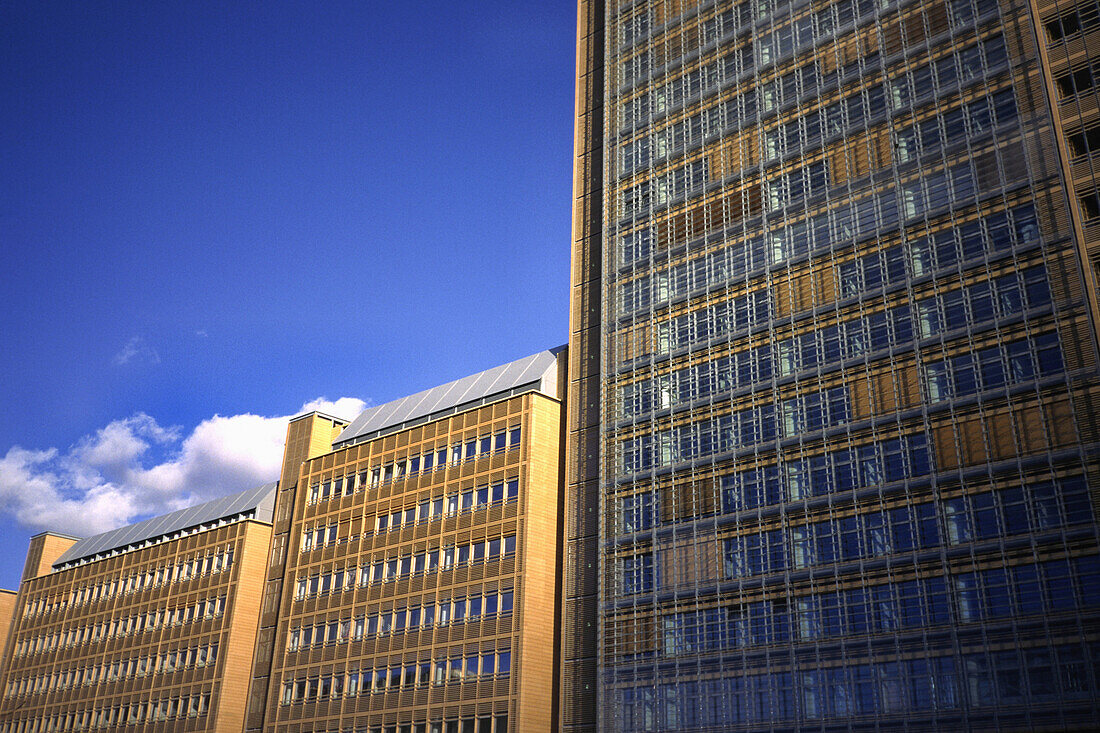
(420, 564)
(835, 407)
(148, 627)
(401, 577)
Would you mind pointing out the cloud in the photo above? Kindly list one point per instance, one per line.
(136, 349)
(135, 467)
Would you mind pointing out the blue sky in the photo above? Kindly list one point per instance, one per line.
(216, 214)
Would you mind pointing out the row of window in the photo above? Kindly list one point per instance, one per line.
(138, 713)
(699, 381)
(382, 571)
(761, 423)
(717, 27)
(659, 190)
(920, 684)
(484, 496)
(993, 367)
(699, 439)
(959, 125)
(946, 73)
(857, 276)
(458, 667)
(847, 114)
(401, 620)
(869, 535)
(720, 319)
(1001, 297)
(1035, 588)
(711, 78)
(1038, 506)
(795, 478)
(882, 608)
(497, 723)
(806, 31)
(986, 680)
(639, 24)
(754, 308)
(846, 221)
(433, 460)
(988, 515)
(941, 251)
(122, 627)
(937, 252)
(801, 134)
(160, 663)
(804, 183)
(813, 411)
(205, 564)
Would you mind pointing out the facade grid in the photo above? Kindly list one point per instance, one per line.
(157, 634)
(419, 589)
(848, 386)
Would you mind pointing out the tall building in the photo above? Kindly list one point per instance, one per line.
(834, 406)
(147, 627)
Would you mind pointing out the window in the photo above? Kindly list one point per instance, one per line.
(1084, 17)
(636, 574)
(1084, 142)
(1090, 205)
(1076, 82)
(637, 512)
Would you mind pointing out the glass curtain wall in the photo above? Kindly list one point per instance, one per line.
(846, 377)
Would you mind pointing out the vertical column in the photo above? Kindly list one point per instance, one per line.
(579, 689)
(307, 436)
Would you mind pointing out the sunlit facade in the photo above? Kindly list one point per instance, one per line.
(415, 571)
(149, 627)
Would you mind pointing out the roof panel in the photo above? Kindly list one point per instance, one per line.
(260, 498)
(538, 371)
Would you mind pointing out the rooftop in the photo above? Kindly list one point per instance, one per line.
(538, 373)
(260, 502)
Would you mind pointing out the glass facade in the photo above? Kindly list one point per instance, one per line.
(848, 387)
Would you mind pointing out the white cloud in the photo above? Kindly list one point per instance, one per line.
(112, 478)
(137, 349)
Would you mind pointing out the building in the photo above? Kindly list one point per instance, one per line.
(403, 576)
(421, 564)
(147, 627)
(835, 406)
